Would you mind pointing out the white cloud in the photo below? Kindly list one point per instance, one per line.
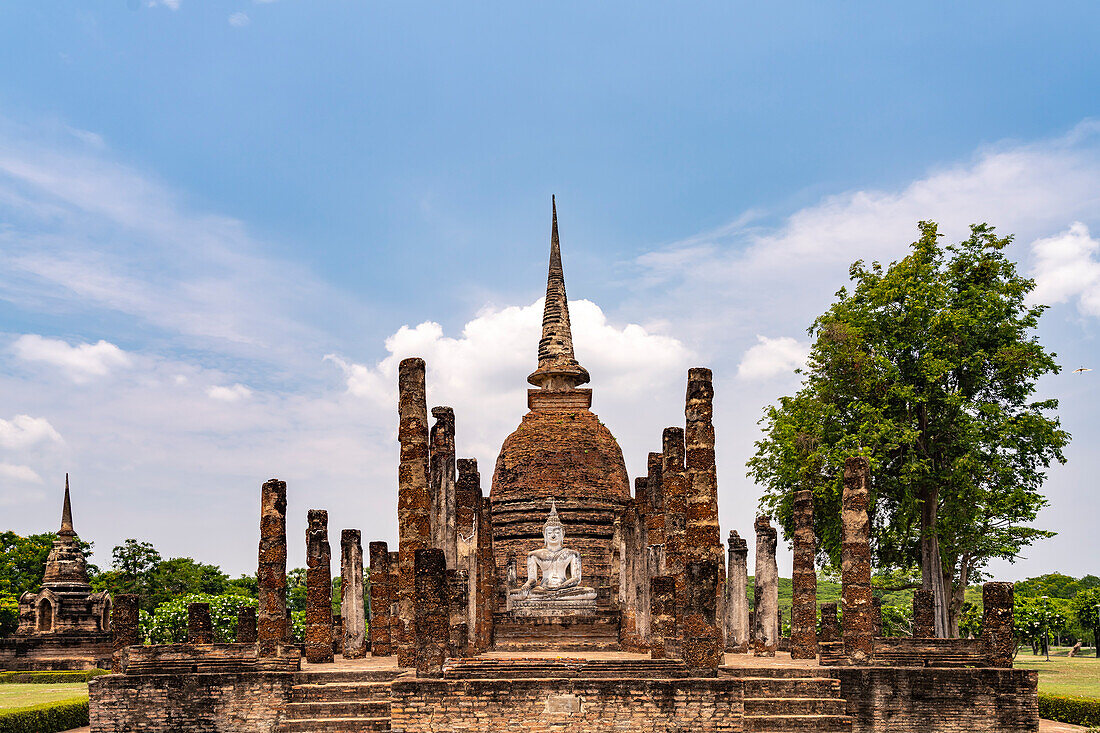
(170, 4)
(80, 362)
(24, 474)
(1067, 266)
(771, 357)
(239, 20)
(235, 393)
(24, 431)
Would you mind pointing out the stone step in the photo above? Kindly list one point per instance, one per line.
(798, 724)
(794, 706)
(334, 725)
(775, 672)
(338, 709)
(319, 677)
(822, 687)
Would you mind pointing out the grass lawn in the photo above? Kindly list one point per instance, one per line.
(1079, 676)
(19, 695)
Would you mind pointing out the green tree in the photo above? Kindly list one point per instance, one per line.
(928, 368)
(168, 622)
(1085, 607)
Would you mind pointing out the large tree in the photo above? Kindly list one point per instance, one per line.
(928, 368)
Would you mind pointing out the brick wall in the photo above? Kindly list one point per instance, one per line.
(567, 705)
(56, 651)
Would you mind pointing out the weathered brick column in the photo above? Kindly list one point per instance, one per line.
(467, 499)
(703, 538)
(351, 594)
(380, 600)
(876, 617)
(655, 518)
(442, 484)
(318, 631)
(630, 624)
(998, 624)
(486, 575)
(662, 598)
(432, 628)
(924, 621)
(199, 628)
(640, 561)
(246, 625)
(804, 598)
(856, 562)
(737, 600)
(413, 502)
(458, 605)
(701, 643)
(272, 627)
(765, 590)
(674, 488)
(830, 622)
(125, 627)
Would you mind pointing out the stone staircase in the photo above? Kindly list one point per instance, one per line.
(791, 700)
(339, 702)
(594, 633)
(562, 667)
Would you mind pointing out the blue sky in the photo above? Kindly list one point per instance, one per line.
(223, 223)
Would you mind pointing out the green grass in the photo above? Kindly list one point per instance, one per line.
(1079, 676)
(20, 695)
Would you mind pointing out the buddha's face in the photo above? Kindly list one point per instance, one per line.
(554, 537)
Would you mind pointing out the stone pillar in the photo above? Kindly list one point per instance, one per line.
(486, 576)
(351, 594)
(737, 599)
(674, 488)
(338, 633)
(876, 617)
(458, 604)
(246, 625)
(442, 484)
(272, 626)
(318, 647)
(199, 628)
(640, 566)
(629, 624)
(432, 628)
(830, 623)
(615, 591)
(855, 562)
(703, 538)
(467, 499)
(125, 628)
(662, 597)
(380, 583)
(765, 590)
(701, 644)
(998, 624)
(924, 620)
(804, 592)
(655, 519)
(413, 501)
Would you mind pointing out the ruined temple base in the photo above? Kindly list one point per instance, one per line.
(53, 652)
(554, 609)
(584, 631)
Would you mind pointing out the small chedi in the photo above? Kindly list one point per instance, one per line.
(553, 577)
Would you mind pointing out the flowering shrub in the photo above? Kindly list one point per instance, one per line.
(168, 623)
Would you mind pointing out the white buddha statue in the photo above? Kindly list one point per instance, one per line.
(553, 571)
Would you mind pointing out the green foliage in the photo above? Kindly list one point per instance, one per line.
(296, 590)
(970, 620)
(897, 620)
(168, 623)
(1056, 585)
(298, 625)
(137, 567)
(45, 718)
(928, 368)
(1034, 617)
(1072, 710)
(1085, 607)
(9, 613)
(50, 678)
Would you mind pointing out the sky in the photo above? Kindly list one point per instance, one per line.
(223, 224)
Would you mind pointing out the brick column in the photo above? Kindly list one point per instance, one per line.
(413, 501)
(856, 562)
(629, 625)
(765, 591)
(430, 606)
(876, 617)
(442, 484)
(655, 519)
(674, 488)
(381, 582)
(924, 621)
(199, 628)
(486, 576)
(458, 604)
(804, 598)
(662, 597)
(351, 594)
(640, 561)
(272, 627)
(467, 499)
(703, 538)
(998, 624)
(246, 625)
(125, 628)
(830, 623)
(737, 600)
(701, 644)
(318, 630)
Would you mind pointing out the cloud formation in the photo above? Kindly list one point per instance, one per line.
(239, 20)
(80, 362)
(1067, 266)
(235, 393)
(771, 357)
(24, 431)
(22, 474)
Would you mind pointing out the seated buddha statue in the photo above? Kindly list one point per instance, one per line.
(553, 571)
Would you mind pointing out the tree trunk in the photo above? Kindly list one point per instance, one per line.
(931, 567)
(1096, 640)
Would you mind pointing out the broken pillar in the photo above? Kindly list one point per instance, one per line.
(318, 629)
(655, 518)
(442, 484)
(998, 624)
(876, 617)
(467, 499)
(701, 643)
(486, 576)
(804, 580)
(765, 590)
(431, 612)
(272, 627)
(737, 600)
(924, 620)
(640, 565)
(855, 562)
(662, 598)
(381, 581)
(703, 538)
(413, 501)
(458, 605)
(199, 628)
(830, 623)
(629, 639)
(246, 625)
(351, 595)
(674, 489)
(125, 628)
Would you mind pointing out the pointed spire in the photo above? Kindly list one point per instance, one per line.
(558, 368)
(67, 514)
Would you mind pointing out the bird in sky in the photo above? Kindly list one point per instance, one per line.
(1081, 370)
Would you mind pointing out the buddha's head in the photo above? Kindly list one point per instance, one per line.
(553, 533)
